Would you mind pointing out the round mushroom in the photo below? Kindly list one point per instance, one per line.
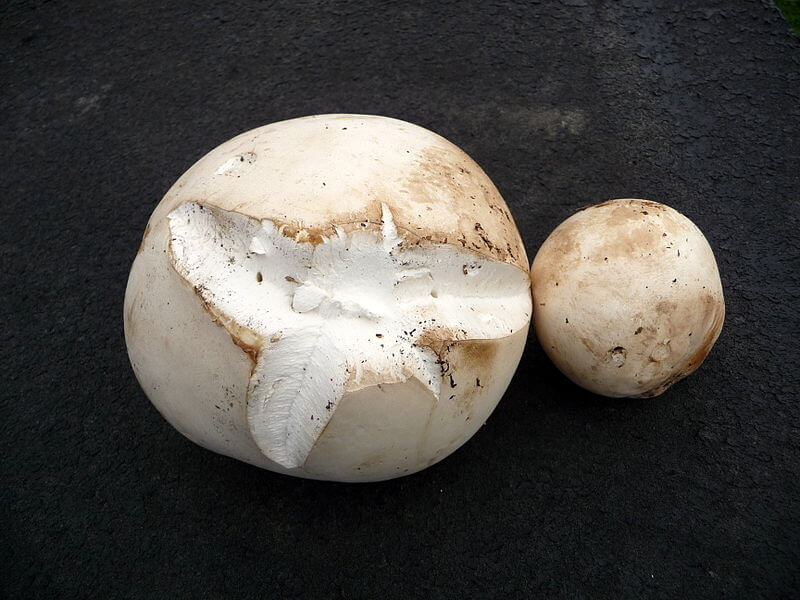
(627, 298)
(339, 297)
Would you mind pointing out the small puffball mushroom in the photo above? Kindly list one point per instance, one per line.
(627, 298)
(339, 297)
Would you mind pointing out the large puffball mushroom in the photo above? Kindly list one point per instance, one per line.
(627, 298)
(337, 297)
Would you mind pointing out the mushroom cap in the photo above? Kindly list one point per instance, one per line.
(627, 297)
(340, 297)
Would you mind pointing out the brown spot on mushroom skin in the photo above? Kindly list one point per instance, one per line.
(316, 235)
(472, 359)
(666, 307)
(250, 349)
(437, 338)
(465, 402)
(588, 344)
(485, 225)
(713, 316)
(628, 239)
(300, 234)
(476, 355)
(717, 310)
(564, 244)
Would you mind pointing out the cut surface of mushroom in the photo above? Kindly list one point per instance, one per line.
(353, 309)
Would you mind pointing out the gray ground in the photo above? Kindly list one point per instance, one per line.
(561, 494)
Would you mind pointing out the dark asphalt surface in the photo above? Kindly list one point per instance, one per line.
(695, 494)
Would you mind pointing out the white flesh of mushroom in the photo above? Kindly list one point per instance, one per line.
(343, 314)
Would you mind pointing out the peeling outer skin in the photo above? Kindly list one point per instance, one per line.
(202, 388)
(627, 298)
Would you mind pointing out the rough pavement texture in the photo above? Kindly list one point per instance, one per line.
(561, 494)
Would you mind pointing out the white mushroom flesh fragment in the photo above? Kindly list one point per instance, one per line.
(326, 318)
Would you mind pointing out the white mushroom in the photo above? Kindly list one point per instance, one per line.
(337, 297)
(627, 298)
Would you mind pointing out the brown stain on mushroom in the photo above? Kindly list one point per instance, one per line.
(563, 243)
(373, 460)
(475, 355)
(563, 252)
(629, 227)
(626, 210)
(626, 235)
(472, 367)
(628, 238)
(370, 220)
(633, 222)
(714, 309)
(301, 234)
(436, 171)
(443, 173)
(437, 339)
(587, 343)
(465, 401)
(131, 311)
(250, 349)
(666, 307)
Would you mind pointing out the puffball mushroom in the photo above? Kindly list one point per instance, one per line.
(339, 297)
(627, 298)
